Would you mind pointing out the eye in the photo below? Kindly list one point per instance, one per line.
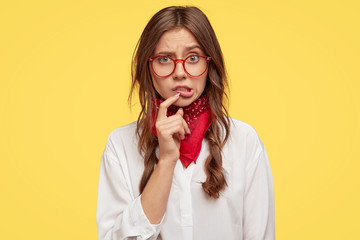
(163, 59)
(193, 59)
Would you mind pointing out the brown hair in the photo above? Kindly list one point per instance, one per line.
(194, 20)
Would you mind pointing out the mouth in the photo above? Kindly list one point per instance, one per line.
(184, 91)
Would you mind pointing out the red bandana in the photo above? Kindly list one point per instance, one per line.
(197, 116)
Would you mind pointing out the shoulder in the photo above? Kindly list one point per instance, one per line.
(122, 136)
(242, 133)
(243, 129)
(123, 131)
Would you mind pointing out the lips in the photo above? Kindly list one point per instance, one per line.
(184, 91)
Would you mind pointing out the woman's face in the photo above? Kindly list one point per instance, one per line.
(178, 44)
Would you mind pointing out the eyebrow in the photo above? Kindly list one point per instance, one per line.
(187, 49)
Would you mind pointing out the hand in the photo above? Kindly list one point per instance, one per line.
(170, 130)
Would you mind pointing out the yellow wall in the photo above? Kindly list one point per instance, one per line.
(64, 80)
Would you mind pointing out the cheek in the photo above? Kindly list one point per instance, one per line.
(155, 82)
(159, 86)
(202, 83)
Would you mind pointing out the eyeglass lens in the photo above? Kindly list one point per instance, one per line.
(194, 65)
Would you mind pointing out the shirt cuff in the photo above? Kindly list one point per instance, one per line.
(147, 230)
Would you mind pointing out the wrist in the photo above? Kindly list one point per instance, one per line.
(167, 163)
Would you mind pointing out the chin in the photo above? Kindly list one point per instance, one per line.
(184, 102)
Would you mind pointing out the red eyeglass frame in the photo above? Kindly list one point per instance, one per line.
(151, 59)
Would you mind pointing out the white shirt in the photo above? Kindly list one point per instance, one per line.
(244, 210)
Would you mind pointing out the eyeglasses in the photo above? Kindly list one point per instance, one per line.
(194, 65)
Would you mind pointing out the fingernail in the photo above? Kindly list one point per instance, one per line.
(188, 131)
(176, 95)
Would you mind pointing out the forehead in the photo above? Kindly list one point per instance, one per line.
(176, 40)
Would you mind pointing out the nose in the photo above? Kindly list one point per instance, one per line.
(179, 72)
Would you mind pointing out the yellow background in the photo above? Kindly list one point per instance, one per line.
(65, 77)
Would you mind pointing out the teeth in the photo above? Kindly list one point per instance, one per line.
(183, 89)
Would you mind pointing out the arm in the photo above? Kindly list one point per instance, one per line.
(156, 193)
(259, 214)
(170, 131)
(118, 214)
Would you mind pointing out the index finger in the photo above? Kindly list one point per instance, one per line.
(165, 104)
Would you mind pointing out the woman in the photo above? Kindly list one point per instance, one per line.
(184, 170)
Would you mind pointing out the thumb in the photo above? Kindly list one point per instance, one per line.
(180, 111)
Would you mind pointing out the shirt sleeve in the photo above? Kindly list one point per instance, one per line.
(259, 211)
(118, 215)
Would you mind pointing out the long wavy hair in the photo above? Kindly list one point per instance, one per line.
(194, 20)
